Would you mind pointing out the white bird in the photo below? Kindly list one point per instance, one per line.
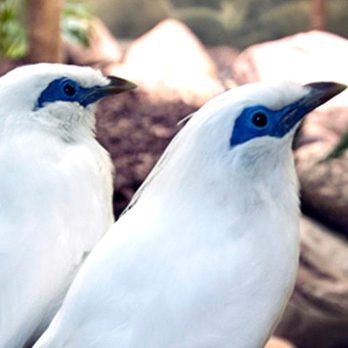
(206, 255)
(55, 189)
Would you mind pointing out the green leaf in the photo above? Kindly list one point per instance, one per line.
(77, 10)
(76, 18)
(339, 149)
(76, 31)
(12, 33)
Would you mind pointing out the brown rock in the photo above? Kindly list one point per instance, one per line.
(276, 342)
(135, 128)
(317, 314)
(324, 185)
(170, 61)
(6, 65)
(224, 58)
(304, 57)
(103, 48)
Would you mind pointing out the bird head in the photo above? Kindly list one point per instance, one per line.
(243, 133)
(56, 96)
(256, 122)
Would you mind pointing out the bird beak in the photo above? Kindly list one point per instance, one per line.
(318, 94)
(321, 92)
(117, 85)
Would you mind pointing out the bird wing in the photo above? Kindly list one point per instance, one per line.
(44, 232)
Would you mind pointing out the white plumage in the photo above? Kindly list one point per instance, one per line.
(55, 190)
(206, 254)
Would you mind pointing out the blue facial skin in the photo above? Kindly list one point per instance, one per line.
(65, 89)
(258, 120)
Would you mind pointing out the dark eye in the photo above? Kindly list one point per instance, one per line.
(69, 89)
(259, 119)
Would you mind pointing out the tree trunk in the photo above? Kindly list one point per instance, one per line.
(318, 14)
(43, 30)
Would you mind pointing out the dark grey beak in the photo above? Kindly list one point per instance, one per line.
(321, 92)
(118, 85)
(318, 94)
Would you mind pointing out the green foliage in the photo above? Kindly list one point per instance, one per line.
(76, 19)
(280, 21)
(205, 23)
(286, 19)
(257, 8)
(12, 34)
(238, 23)
(214, 27)
(234, 22)
(13, 44)
(211, 4)
(131, 18)
(338, 17)
(339, 149)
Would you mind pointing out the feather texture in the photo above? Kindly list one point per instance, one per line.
(206, 254)
(55, 197)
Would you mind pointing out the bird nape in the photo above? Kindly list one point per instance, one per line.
(207, 253)
(55, 188)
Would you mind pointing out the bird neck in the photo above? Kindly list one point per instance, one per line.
(237, 188)
(67, 127)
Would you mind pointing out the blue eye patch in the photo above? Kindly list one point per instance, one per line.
(258, 121)
(65, 89)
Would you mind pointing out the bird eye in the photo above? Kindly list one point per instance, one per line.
(69, 89)
(259, 119)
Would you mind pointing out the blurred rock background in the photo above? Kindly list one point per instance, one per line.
(238, 23)
(183, 52)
